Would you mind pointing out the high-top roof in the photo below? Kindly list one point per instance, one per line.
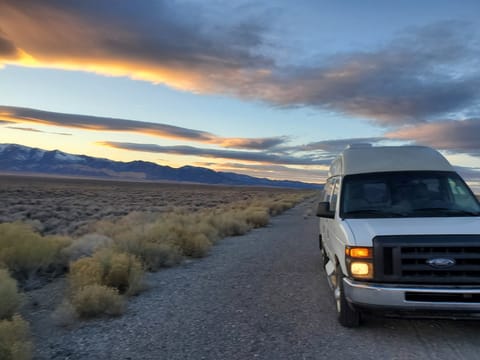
(363, 158)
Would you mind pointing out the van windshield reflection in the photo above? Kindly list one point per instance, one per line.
(407, 194)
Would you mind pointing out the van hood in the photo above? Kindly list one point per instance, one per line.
(364, 230)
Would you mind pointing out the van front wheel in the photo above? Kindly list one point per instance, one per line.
(347, 316)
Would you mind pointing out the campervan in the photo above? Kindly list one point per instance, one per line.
(399, 234)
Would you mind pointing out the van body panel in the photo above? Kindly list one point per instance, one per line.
(396, 297)
(364, 230)
(388, 158)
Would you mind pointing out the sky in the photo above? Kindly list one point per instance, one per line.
(272, 89)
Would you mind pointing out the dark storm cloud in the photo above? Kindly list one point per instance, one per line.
(263, 157)
(96, 123)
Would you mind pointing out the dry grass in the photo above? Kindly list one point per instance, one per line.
(69, 206)
(121, 271)
(10, 298)
(15, 341)
(86, 245)
(121, 229)
(94, 300)
(97, 284)
(163, 239)
(26, 253)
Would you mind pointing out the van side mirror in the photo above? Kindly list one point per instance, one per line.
(323, 210)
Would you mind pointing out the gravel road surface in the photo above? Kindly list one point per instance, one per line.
(259, 296)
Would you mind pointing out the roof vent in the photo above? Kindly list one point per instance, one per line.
(359, 146)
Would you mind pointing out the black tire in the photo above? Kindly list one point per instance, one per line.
(322, 251)
(346, 314)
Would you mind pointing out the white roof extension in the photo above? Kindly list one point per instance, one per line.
(364, 158)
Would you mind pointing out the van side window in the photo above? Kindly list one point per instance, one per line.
(461, 195)
(327, 191)
(336, 189)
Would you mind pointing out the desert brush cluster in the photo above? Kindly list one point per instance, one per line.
(15, 343)
(106, 261)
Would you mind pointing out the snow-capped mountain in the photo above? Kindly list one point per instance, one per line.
(23, 159)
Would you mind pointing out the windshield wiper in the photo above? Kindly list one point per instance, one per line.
(449, 210)
(374, 212)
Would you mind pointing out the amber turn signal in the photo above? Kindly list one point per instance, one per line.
(359, 252)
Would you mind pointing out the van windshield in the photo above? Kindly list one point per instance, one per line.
(406, 194)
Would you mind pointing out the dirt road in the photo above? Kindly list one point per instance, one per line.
(259, 296)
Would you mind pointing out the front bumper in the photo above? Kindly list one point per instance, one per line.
(412, 297)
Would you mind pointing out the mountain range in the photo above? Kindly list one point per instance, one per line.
(23, 159)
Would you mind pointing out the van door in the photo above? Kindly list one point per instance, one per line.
(327, 225)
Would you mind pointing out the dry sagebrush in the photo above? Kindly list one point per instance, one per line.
(98, 283)
(161, 240)
(10, 298)
(15, 341)
(110, 260)
(26, 253)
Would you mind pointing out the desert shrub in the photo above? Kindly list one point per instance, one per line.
(25, 252)
(15, 341)
(184, 232)
(278, 206)
(115, 227)
(65, 314)
(196, 245)
(229, 223)
(107, 267)
(94, 300)
(153, 255)
(86, 246)
(121, 271)
(160, 240)
(84, 272)
(257, 216)
(10, 298)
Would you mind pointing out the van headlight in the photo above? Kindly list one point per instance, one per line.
(359, 262)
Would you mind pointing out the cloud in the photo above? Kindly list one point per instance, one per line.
(36, 130)
(254, 144)
(421, 74)
(158, 41)
(459, 136)
(468, 173)
(272, 171)
(262, 157)
(337, 145)
(7, 48)
(96, 123)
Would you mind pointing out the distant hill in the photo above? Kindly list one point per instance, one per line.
(23, 159)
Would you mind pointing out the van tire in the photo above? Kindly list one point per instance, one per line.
(322, 251)
(346, 314)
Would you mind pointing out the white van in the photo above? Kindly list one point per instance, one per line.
(399, 233)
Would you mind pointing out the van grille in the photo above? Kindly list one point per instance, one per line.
(454, 259)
